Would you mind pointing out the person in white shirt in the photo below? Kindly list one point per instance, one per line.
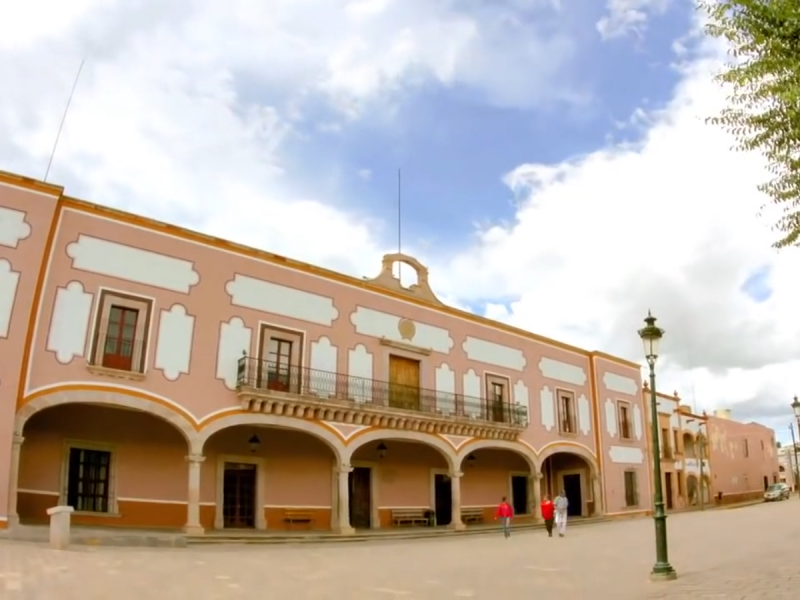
(562, 504)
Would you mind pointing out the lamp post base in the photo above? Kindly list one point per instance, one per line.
(663, 572)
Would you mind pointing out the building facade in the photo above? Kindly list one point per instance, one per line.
(744, 458)
(157, 377)
(685, 463)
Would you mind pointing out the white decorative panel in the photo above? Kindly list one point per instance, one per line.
(132, 264)
(637, 421)
(547, 404)
(521, 396)
(445, 389)
(323, 358)
(359, 365)
(277, 299)
(175, 334)
(494, 354)
(234, 342)
(384, 325)
(472, 390)
(13, 227)
(69, 324)
(618, 383)
(9, 280)
(611, 417)
(584, 415)
(626, 455)
(561, 371)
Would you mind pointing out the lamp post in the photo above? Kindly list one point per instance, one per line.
(796, 472)
(651, 336)
(701, 439)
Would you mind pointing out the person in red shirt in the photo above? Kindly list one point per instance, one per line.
(548, 514)
(505, 513)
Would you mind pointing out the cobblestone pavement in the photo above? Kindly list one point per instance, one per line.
(743, 553)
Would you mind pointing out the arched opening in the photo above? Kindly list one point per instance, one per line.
(399, 482)
(571, 473)
(490, 474)
(258, 477)
(100, 460)
(689, 450)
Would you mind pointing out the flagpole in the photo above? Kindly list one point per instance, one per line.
(63, 119)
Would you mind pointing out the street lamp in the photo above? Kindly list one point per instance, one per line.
(651, 337)
(796, 411)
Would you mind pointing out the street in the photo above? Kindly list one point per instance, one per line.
(738, 553)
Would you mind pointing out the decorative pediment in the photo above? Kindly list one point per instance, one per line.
(386, 279)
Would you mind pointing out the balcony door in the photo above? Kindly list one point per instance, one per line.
(404, 382)
(121, 338)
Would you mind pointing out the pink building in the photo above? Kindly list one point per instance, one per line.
(744, 458)
(157, 377)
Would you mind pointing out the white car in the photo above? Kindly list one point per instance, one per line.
(777, 491)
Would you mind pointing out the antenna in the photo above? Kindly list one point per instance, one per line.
(63, 119)
(399, 224)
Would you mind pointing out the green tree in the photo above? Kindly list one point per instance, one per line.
(763, 111)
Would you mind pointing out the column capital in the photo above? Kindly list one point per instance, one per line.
(195, 458)
(18, 439)
(456, 474)
(342, 469)
(538, 476)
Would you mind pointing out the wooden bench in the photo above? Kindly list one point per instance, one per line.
(291, 516)
(411, 516)
(472, 515)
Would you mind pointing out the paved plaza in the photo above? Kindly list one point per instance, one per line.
(741, 553)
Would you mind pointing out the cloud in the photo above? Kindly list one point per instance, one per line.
(625, 17)
(670, 223)
(185, 112)
(364, 174)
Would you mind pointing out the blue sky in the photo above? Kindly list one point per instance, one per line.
(454, 144)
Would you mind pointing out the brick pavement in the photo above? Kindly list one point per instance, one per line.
(744, 553)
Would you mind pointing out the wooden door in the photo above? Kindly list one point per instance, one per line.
(668, 489)
(120, 339)
(360, 480)
(239, 496)
(404, 383)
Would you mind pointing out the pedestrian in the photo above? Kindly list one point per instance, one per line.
(548, 513)
(505, 513)
(562, 504)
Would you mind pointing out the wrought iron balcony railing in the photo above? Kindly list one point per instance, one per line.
(267, 377)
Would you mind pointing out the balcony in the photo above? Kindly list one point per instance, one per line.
(264, 387)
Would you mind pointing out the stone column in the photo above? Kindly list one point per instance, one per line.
(193, 526)
(13, 481)
(535, 494)
(343, 503)
(455, 492)
(597, 494)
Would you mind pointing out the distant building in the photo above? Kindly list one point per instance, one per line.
(787, 465)
(713, 459)
(686, 468)
(744, 458)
